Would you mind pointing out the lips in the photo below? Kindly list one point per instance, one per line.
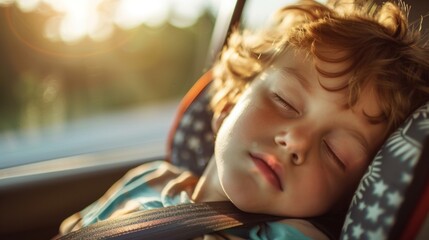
(270, 168)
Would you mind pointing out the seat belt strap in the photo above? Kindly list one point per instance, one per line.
(184, 221)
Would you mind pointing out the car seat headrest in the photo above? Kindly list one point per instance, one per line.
(393, 194)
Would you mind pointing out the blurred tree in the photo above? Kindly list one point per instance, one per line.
(45, 83)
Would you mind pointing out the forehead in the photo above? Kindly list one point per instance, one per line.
(332, 68)
(333, 77)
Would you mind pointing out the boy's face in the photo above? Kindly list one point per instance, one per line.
(290, 147)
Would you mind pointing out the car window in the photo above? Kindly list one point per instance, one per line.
(85, 76)
(101, 76)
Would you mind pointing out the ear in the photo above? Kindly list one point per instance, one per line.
(219, 117)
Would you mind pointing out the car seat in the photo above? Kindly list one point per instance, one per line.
(392, 199)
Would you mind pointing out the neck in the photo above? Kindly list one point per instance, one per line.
(208, 188)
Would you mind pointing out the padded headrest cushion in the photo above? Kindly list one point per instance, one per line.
(191, 140)
(392, 199)
(393, 185)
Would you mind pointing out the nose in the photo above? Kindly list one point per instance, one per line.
(294, 144)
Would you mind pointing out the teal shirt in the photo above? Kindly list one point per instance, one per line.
(141, 189)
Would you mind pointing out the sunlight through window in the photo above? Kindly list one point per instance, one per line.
(132, 13)
(6, 2)
(28, 5)
(81, 18)
(96, 19)
(185, 16)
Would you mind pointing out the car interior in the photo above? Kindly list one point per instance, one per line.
(37, 193)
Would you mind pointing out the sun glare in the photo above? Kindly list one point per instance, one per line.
(96, 19)
(80, 18)
(132, 13)
(6, 2)
(28, 5)
(185, 16)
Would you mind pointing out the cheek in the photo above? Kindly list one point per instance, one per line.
(312, 195)
(239, 123)
(231, 134)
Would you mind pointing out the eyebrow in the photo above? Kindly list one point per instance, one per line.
(302, 80)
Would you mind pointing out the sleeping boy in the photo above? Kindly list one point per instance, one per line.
(300, 108)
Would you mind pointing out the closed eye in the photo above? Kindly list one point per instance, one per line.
(283, 103)
(334, 157)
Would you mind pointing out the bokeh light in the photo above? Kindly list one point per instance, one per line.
(73, 21)
(6, 2)
(131, 13)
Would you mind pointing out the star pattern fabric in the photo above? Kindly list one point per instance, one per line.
(382, 189)
(193, 140)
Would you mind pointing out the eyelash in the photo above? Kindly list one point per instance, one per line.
(283, 102)
(332, 154)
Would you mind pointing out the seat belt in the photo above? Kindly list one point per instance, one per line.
(184, 221)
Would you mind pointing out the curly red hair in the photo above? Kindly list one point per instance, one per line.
(380, 44)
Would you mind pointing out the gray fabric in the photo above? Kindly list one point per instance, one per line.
(193, 140)
(381, 191)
